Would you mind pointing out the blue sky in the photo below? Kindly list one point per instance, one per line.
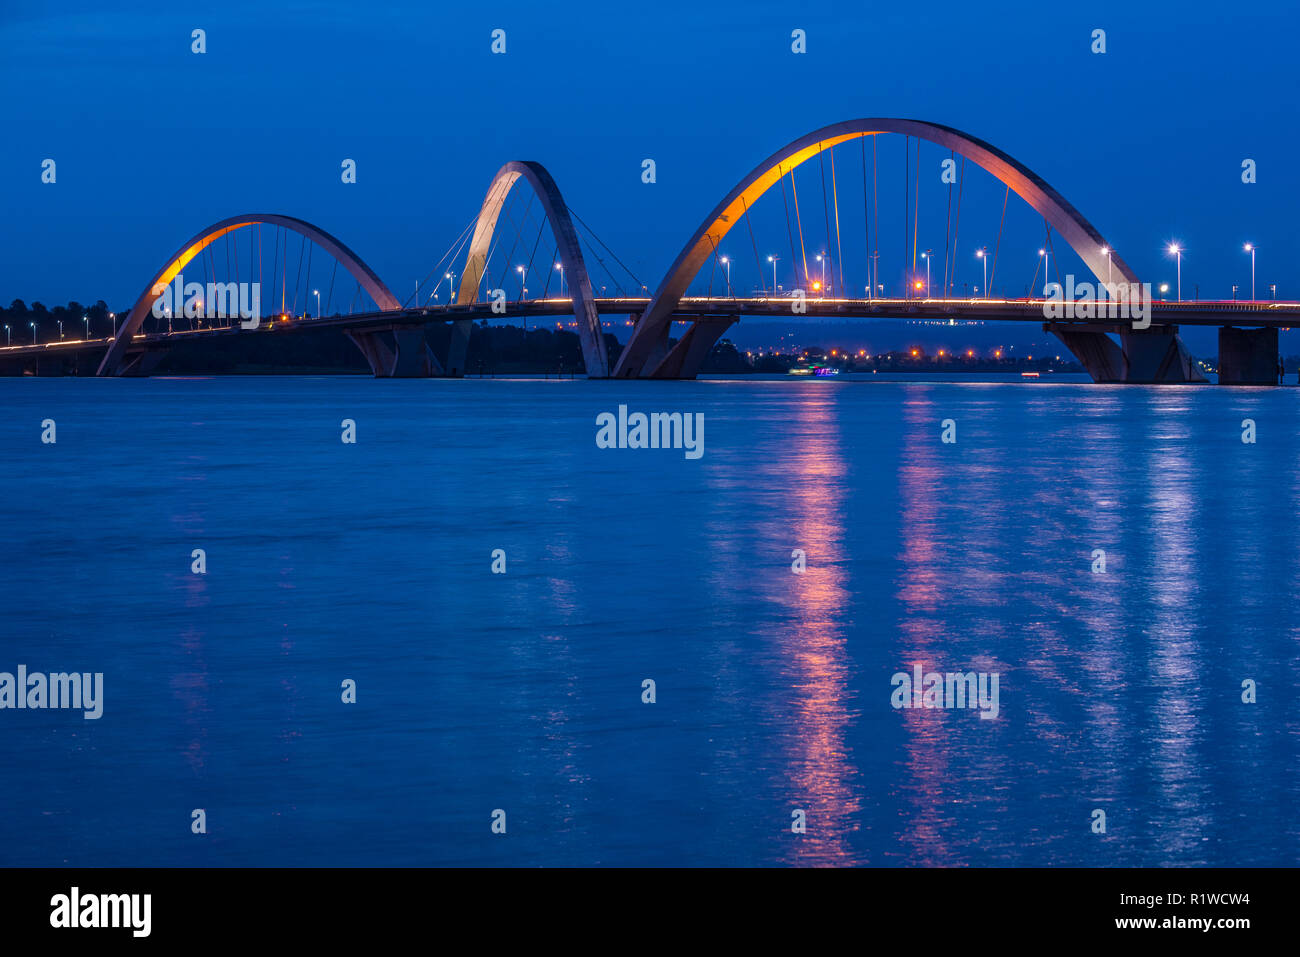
(153, 142)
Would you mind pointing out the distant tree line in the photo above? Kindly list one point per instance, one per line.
(76, 319)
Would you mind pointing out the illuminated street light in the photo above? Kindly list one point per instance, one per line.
(317, 292)
(772, 260)
(33, 325)
(982, 255)
(1177, 252)
(451, 285)
(926, 256)
(9, 339)
(560, 267)
(727, 264)
(1250, 248)
(523, 276)
(1046, 256)
(822, 259)
(86, 320)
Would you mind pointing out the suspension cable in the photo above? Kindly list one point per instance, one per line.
(839, 248)
(757, 262)
(956, 224)
(998, 245)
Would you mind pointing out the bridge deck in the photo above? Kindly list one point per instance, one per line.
(1163, 312)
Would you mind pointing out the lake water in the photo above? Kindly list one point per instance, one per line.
(1118, 691)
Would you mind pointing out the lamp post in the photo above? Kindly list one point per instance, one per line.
(1177, 250)
(1273, 289)
(33, 325)
(1046, 256)
(726, 263)
(1234, 292)
(926, 256)
(113, 317)
(9, 339)
(982, 255)
(772, 260)
(60, 330)
(317, 292)
(560, 267)
(1250, 248)
(821, 258)
(86, 321)
(523, 277)
(1106, 251)
(451, 286)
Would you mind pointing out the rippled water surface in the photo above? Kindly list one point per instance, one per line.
(1119, 691)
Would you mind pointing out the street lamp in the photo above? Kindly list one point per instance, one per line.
(822, 259)
(926, 256)
(60, 329)
(1177, 251)
(727, 264)
(523, 277)
(33, 325)
(451, 286)
(1046, 256)
(982, 255)
(1234, 292)
(113, 316)
(317, 292)
(560, 267)
(772, 260)
(86, 320)
(9, 339)
(1250, 248)
(1273, 289)
(1106, 250)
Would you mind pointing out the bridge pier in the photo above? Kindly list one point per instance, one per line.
(407, 356)
(1247, 356)
(1143, 356)
(141, 363)
(683, 361)
(458, 348)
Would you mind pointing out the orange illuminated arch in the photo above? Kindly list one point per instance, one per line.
(651, 331)
(112, 363)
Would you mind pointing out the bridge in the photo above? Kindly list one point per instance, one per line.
(393, 337)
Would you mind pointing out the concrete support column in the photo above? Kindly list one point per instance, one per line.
(397, 352)
(378, 355)
(1143, 356)
(458, 349)
(683, 361)
(1095, 351)
(1247, 356)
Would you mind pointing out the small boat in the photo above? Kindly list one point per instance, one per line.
(812, 368)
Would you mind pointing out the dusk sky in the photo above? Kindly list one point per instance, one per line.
(153, 142)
